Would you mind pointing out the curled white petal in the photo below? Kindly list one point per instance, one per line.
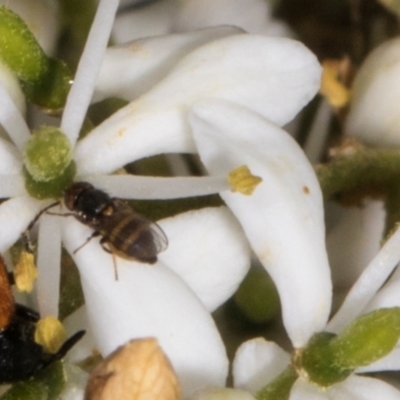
(275, 77)
(208, 250)
(283, 218)
(12, 120)
(15, 216)
(147, 300)
(144, 62)
(89, 65)
(305, 390)
(257, 362)
(146, 187)
(368, 284)
(49, 265)
(363, 388)
(373, 113)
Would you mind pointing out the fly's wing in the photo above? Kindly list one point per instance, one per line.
(159, 237)
(7, 304)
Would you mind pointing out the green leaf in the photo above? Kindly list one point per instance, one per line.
(369, 338)
(54, 377)
(27, 391)
(46, 385)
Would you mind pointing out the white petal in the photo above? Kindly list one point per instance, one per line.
(391, 362)
(12, 120)
(354, 241)
(208, 250)
(11, 186)
(129, 71)
(10, 159)
(155, 18)
(251, 15)
(49, 265)
(11, 84)
(387, 297)
(304, 390)
(147, 300)
(368, 284)
(88, 69)
(15, 216)
(86, 347)
(373, 114)
(362, 388)
(150, 187)
(283, 218)
(257, 362)
(272, 76)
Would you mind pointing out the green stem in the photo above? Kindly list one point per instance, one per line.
(364, 173)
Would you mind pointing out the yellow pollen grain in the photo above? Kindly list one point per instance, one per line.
(50, 334)
(335, 92)
(241, 180)
(25, 272)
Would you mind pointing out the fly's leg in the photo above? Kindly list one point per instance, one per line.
(94, 234)
(103, 244)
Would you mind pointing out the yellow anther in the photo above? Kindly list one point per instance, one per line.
(139, 370)
(25, 272)
(336, 92)
(242, 180)
(50, 334)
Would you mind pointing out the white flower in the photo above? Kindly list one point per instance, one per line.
(166, 313)
(171, 300)
(283, 220)
(373, 114)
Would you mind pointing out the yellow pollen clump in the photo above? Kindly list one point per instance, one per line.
(242, 180)
(50, 334)
(25, 272)
(335, 92)
(139, 370)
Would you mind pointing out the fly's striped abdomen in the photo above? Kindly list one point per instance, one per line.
(129, 236)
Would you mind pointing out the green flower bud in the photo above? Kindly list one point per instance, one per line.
(19, 48)
(47, 154)
(280, 387)
(53, 189)
(50, 92)
(369, 338)
(318, 360)
(257, 297)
